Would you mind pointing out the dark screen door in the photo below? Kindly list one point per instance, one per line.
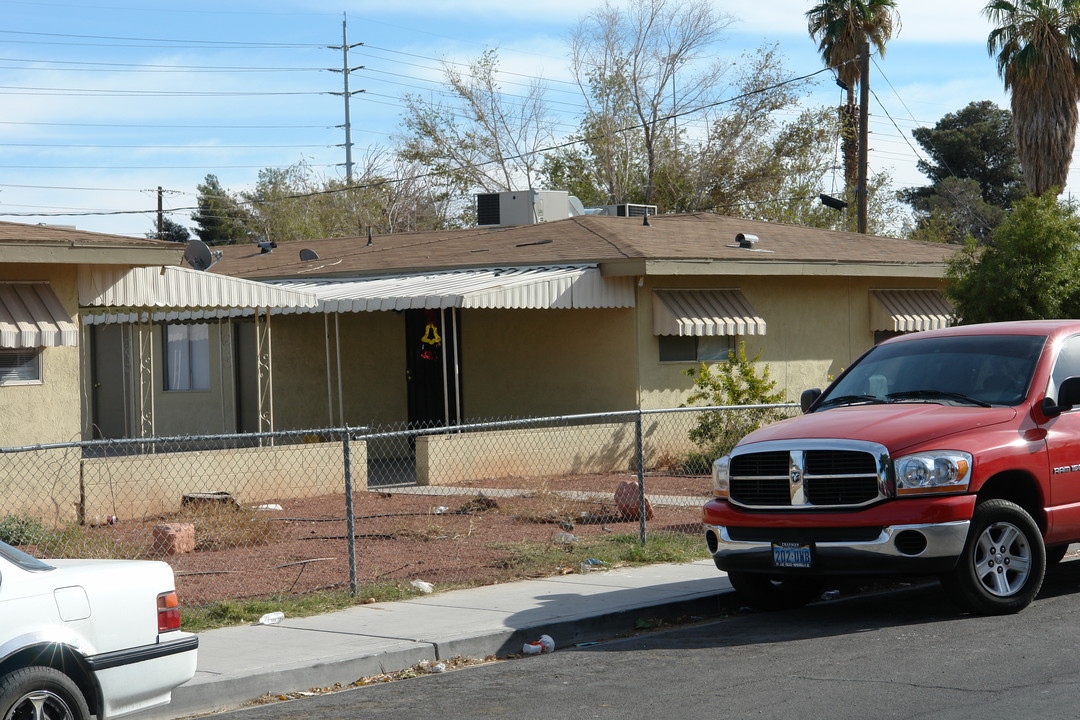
(432, 366)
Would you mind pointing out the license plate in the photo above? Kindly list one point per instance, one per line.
(791, 555)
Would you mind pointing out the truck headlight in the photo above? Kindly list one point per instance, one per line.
(939, 471)
(721, 476)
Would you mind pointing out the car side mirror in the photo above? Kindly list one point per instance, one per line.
(1068, 394)
(809, 397)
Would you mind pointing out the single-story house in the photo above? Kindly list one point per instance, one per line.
(585, 314)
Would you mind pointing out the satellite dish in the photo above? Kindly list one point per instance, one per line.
(199, 256)
(308, 254)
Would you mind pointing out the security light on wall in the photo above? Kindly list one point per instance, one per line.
(834, 203)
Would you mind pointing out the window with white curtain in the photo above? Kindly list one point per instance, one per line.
(187, 356)
(20, 367)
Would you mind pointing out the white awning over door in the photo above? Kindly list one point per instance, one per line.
(517, 288)
(173, 293)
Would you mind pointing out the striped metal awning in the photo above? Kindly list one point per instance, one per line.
(909, 310)
(519, 288)
(173, 293)
(31, 316)
(704, 312)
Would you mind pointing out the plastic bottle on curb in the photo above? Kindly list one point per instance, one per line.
(272, 618)
(544, 645)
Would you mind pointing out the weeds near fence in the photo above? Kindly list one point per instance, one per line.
(220, 526)
(522, 560)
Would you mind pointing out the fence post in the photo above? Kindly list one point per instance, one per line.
(640, 453)
(350, 520)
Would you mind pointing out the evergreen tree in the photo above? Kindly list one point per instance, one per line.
(221, 220)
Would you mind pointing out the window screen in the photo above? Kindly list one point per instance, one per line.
(690, 348)
(20, 367)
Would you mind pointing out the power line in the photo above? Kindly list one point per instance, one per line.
(137, 67)
(186, 43)
(420, 176)
(972, 211)
(79, 92)
(163, 127)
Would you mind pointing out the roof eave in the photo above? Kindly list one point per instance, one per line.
(705, 266)
(90, 254)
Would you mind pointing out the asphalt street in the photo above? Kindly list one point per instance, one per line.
(901, 654)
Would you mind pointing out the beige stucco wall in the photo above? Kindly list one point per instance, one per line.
(547, 362)
(49, 411)
(816, 326)
(372, 362)
(41, 484)
(143, 485)
(600, 447)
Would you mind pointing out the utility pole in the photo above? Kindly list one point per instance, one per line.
(864, 138)
(345, 70)
(160, 216)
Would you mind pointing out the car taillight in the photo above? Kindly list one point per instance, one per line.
(168, 612)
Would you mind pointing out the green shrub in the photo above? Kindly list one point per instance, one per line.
(15, 530)
(735, 382)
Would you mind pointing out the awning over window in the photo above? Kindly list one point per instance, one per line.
(704, 312)
(909, 310)
(32, 316)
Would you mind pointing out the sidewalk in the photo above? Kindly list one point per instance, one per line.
(238, 664)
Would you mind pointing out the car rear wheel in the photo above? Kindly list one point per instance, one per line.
(41, 693)
(775, 592)
(1003, 562)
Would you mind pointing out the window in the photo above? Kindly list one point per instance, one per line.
(20, 367)
(693, 348)
(187, 357)
(1067, 365)
(881, 336)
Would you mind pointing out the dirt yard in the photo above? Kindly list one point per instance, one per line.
(480, 532)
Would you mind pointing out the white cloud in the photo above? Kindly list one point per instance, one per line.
(922, 21)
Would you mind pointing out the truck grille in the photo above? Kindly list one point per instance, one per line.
(811, 478)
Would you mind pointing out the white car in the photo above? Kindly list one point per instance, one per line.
(88, 637)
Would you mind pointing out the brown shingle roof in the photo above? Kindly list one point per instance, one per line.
(23, 233)
(581, 239)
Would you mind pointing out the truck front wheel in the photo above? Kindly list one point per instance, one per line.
(775, 592)
(1003, 561)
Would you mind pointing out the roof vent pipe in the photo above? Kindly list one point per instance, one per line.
(746, 240)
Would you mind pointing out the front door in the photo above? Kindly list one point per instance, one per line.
(433, 367)
(110, 381)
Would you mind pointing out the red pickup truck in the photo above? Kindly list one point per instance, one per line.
(953, 452)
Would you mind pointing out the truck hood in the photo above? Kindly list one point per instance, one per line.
(896, 426)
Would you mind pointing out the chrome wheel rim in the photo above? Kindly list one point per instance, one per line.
(40, 705)
(1002, 559)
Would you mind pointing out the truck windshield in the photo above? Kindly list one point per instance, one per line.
(964, 370)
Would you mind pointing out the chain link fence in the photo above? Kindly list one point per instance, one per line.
(255, 515)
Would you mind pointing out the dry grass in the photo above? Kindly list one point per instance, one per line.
(220, 526)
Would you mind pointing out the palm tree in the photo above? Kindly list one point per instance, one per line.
(841, 27)
(1038, 56)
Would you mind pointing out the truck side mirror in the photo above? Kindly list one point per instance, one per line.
(809, 397)
(1068, 394)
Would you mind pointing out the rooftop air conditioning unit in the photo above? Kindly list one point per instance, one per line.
(629, 210)
(522, 207)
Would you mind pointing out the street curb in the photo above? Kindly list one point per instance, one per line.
(216, 696)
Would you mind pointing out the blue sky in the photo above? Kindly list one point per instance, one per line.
(105, 100)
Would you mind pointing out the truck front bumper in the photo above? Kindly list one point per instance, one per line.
(904, 549)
